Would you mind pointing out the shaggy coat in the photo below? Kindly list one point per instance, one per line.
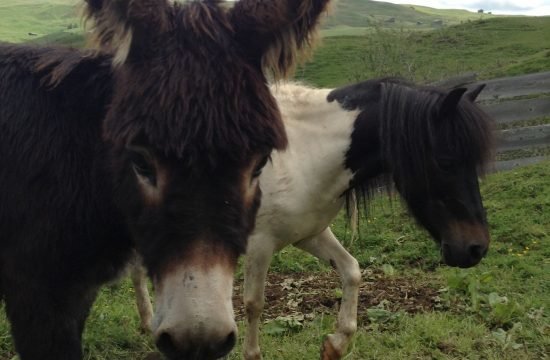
(154, 143)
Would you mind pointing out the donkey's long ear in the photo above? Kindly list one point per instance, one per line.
(120, 26)
(275, 32)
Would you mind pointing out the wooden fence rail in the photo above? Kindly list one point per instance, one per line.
(521, 108)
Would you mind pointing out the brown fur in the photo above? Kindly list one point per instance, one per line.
(173, 101)
(288, 40)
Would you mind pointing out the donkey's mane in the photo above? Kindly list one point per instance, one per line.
(410, 127)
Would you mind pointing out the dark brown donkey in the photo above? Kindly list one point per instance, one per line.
(154, 143)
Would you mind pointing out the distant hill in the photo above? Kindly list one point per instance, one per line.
(23, 20)
(350, 17)
(500, 46)
(57, 20)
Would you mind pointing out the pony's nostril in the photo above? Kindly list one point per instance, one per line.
(477, 251)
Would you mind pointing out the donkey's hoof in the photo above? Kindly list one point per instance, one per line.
(329, 351)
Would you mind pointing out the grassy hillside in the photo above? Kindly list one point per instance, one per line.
(497, 310)
(496, 47)
(350, 17)
(353, 17)
(19, 18)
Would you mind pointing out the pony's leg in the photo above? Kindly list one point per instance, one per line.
(326, 246)
(143, 299)
(257, 260)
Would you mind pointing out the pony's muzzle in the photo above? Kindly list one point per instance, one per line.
(463, 257)
(465, 244)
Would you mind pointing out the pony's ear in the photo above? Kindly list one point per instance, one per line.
(474, 93)
(118, 24)
(450, 101)
(275, 32)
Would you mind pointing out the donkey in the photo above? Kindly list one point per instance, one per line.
(154, 144)
(429, 143)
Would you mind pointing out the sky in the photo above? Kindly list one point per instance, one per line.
(511, 7)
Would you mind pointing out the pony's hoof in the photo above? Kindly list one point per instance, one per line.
(329, 351)
(145, 329)
(253, 355)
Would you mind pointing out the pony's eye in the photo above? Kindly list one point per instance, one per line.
(259, 167)
(143, 166)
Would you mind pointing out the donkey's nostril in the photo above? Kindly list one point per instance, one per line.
(166, 344)
(230, 340)
(225, 346)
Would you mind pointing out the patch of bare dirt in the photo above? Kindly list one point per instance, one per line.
(309, 294)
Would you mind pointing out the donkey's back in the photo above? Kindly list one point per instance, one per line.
(56, 203)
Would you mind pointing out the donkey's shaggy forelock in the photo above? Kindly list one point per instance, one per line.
(235, 114)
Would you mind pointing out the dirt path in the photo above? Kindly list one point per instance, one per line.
(313, 293)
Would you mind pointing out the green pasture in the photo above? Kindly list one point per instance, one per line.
(500, 46)
(363, 13)
(497, 310)
(25, 20)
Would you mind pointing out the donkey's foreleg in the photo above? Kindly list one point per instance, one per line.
(257, 260)
(47, 319)
(325, 246)
(143, 299)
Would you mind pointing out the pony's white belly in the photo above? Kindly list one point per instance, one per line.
(296, 220)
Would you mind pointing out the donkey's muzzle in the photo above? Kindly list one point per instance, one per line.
(188, 349)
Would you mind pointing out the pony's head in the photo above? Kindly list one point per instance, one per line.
(191, 124)
(434, 143)
(431, 144)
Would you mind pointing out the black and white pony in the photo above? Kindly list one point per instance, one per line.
(426, 142)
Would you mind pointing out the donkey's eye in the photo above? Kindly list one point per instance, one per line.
(259, 167)
(143, 166)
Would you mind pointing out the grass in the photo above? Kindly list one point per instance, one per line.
(20, 18)
(505, 299)
(501, 46)
(497, 310)
(364, 13)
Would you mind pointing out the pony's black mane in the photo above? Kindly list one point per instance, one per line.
(411, 131)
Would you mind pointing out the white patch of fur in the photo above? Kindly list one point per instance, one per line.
(302, 190)
(124, 44)
(194, 302)
(302, 186)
